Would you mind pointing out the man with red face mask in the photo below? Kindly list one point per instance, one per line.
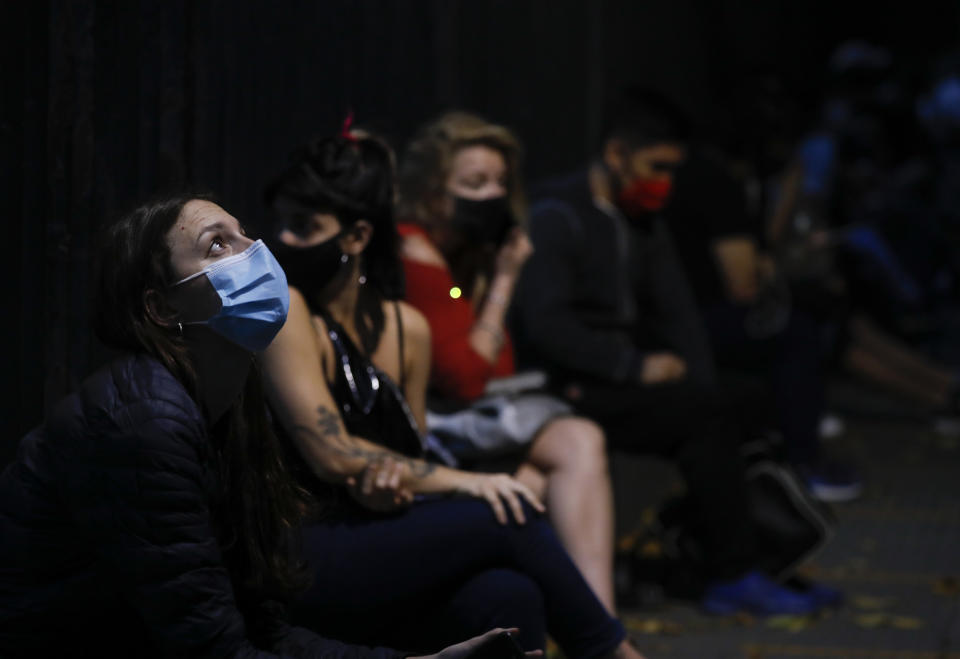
(604, 306)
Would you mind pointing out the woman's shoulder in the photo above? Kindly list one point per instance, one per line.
(302, 321)
(414, 322)
(132, 395)
(416, 247)
(414, 330)
(137, 385)
(303, 326)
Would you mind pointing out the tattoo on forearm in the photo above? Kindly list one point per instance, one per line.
(327, 423)
(326, 436)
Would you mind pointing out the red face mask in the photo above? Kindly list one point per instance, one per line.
(644, 196)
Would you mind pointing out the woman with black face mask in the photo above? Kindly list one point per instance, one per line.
(346, 378)
(463, 248)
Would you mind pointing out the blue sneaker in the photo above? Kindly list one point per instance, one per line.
(757, 594)
(832, 482)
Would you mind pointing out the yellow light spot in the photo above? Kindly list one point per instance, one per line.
(455, 292)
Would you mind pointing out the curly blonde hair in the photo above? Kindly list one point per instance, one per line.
(425, 168)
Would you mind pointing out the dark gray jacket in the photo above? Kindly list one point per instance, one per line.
(107, 548)
(601, 291)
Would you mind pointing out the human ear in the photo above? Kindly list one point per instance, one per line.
(614, 156)
(158, 309)
(356, 239)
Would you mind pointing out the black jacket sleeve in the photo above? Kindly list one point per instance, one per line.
(269, 627)
(678, 316)
(546, 305)
(149, 511)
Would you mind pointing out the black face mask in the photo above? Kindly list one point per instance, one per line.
(310, 269)
(487, 221)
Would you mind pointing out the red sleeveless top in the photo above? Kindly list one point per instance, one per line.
(457, 370)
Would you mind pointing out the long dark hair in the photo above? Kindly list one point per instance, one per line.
(352, 179)
(256, 503)
(134, 257)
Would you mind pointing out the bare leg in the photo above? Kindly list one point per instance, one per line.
(568, 464)
(626, 651)
(902, 356)
(890, 363)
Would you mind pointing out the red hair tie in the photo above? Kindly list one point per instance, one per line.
(345, 129)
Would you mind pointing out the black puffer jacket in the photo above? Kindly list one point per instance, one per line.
(106, 546)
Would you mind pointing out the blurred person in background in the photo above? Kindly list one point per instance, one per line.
(855, 232)
(746, 304)
(605, 307)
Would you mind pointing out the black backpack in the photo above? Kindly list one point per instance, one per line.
(792, 526)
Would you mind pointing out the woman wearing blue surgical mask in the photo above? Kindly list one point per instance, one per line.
(152, 514)
(403, 539)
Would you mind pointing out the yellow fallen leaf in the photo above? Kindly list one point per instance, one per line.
(866, 602)
(949, 586)
(672, 628)
(788, 623)
(653, 626)
(651, 549)
(744, 619)
(871, 620)
(647, 626)
(905, 622)
(627, 542)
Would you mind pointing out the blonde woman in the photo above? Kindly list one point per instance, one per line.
(463, 247)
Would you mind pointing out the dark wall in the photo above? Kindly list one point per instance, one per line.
(104, 103)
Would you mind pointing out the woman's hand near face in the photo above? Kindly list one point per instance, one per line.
(487, 334)
(501, 491)
(514, 253)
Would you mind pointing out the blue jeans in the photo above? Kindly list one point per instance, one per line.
(444, 570)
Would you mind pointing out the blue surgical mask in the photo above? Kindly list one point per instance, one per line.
(253, 297)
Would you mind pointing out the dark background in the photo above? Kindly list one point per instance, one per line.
(106, 103)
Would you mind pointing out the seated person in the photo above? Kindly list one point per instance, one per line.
(152, 514)
(463, 248)
(346, 377)
(746, 305)
(867, 273)
(605, 306)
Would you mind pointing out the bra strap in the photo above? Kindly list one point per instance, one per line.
(403, 362)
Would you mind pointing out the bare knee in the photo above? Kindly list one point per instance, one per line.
(570, 443)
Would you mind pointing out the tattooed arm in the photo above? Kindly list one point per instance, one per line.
(299, 394)
(327, 439)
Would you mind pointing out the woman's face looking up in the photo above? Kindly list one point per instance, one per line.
(203, 234)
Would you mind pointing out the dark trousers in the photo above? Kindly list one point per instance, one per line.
(444, 570)
(694, 427)
(790, 361)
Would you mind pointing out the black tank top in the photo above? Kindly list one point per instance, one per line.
(371, 404)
